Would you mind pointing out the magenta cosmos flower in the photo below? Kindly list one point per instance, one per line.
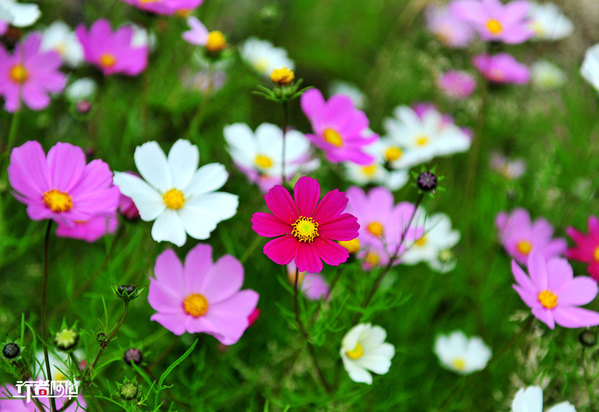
(28, 75)
(502, 68)
(61, 186)
(307, 228)
(587, 247)
(553, 294)
(450, 30)
(201, 296)
(456, 84)
(112, 52)
(340, 129)
(495, 21)
(520, 236)
(165, 6)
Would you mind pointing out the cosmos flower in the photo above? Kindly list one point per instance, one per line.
(520, 236)
(112, 52)
(313, 285)
(548, 22)
(501, 68)
(81, 89)
(495, 21)
(91, 230)
(201, 296)
(60, 38)
(61, 186)
(339, 128)
(554, 294)
(29, 75)
(510, 169)
(546, 75)
(456, 84)
(180, 198)
(19, 14)
(166, 7)
(531, 400)
(587, 247)
(264, 57)
(590, 66)
(461, 354)
(364, 350)
(450, 30)
(306, 228)
(199, 35)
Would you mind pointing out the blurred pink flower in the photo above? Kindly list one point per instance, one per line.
(306, 228)
(198, 33)
(112, 52)
(313, 285)
(253, 317)
(29, 75)
(61, 186)
(508, 168)
(91, 230)
(165, 6)
(450, 30)
(495, 21)
(456, 83)
(587, 247)
(502, 68)
(520, 236)
(340, 129)
(201, 296)
(554, 294)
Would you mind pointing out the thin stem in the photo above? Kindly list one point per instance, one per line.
(250, 250)
(109, 338)
(305, 334)
(14, 127)
(196, 121)
(285, 122)
(44, 312)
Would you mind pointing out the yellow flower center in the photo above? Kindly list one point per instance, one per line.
(182, 12)
(58, 376)
(524, 247)
(596, 254)
(195, 305)
(375, 228)
(282, 76)
(305, 229)
(174, 199)
(107, 60)
(216, 41)
(263, 161)
(369, 171)
(538, 28)
(494, 26)
(261, 64)
(18, 74)
(459, 364)
(58, 201)
(421, 241)
(422, 140)
(333, 137)
(352, 246)
(372, 258)
(548, 299)
(356, 353)
(393, 153)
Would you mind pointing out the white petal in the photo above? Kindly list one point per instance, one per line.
(201, 217)
(207, 178)
(562, 407)
(183, 161)
(24, 14)
(240, 137)
(355, 372)
(152, 165)
(528, 400)
(374, 363)
(296, 145)
(147, 200)
(168, 226)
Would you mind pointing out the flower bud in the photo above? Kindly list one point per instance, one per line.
(11, 351)
(588, 338)
(66, 339)
(426, 181)
(101, 338)
(83, 107)
(133, 355)
(127, 292)
(129, 391)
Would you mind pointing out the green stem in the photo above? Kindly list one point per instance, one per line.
(285, 123)
(44, 311)
(14, 127)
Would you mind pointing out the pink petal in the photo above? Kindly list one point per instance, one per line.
(537, 269)
(282, 249)
(333, 203)
(34, 96)
(268, 225)
(162, 299)
(28, 170)
(523, 279)
(65, 164)
(169, 273)
(229, 319)
(593, 226)
(312, 103)
(343, 227)
(578, 291)
(573, 317)
(223, 280)
(307, 194)
(559, 272)
(172, 321)
(531, 300)
(544, 315)
(197, 264)
(332, 253)
(279, 202)
(307, 258)
(96, 176)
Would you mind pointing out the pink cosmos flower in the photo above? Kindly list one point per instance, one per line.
(112, 52)
(165, 6)
(450, 30)
(307, 227)
(520, 236)
(495, 21)
(502, 68)
(339, 128)
(253, 317)
(61, 186)
(198, 33)
(91, 230)
(201, 296)
(313, 285)
(456, 84)
(29, 75)
(587, 247)
(553, 294)
(510, 169)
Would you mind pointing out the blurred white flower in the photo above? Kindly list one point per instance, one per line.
(141, 37)
(531, 400)
(59, 37)
(363, 349)
(350, 90)
(264, 57)
(590, 66)
(19, 14)
(58, 364)
(546, 75)
(462, 355)
(548, 22)
(510, 169)
(81, 89)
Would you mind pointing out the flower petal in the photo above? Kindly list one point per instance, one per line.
(197, 264)
(282, 249)
(268, 225)
(28, 171)
(147, 200)
(279, 202)
(307, 194)
(169, 274)
(223, 280)
(331, 252)
(537, 268)
(342, 227)
(332, 204)
(573, 317)
(578, 291)
(183, 160)
(153, 167)
(65, 165)
(307, 258)
(168, 226)
(207, 178)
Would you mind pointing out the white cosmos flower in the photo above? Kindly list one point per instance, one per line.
(531, 400)
(179, 197)
(19, 14)
(363, 349)
(590, 66)
(546, 75)
(350, 90)
(81, 89)
(548, 22)
(462, 355)
(427, 137)
(264, 57)
(141, 37)
(395, 156)
(59, 37)
(59, 364)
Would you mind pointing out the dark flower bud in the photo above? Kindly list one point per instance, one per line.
(66, 339)
(133, 355)
(129, 391)
(127, 292)
(11, 350)
(101, 338)
(588, 338)
(427, 181)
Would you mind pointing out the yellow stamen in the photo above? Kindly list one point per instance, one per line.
(58, 201)
(282, 76)
(261, 64)
(422, 140)
(195, 305)
(356, 353)
(459, 364)
(538, 28)
(393, 153)
(524, 247)
(333, 137)
(263, 161)
(305, 229)
(216, 41)
(372, 258)
(174, 199)
(548, 299)
(369, 171)
(596, 254)
(421, 241)
(352, 246)
(18, 74)
(375, 228)
(107, 60)
(494, 26)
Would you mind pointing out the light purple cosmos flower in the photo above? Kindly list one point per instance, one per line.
(502, 68)
(28, 75)
(495, 21)
(167, 7)
(450, 30)
(197, 33)
(313, 285)
(554, 294)
(201, 296)
(112, 52)
(456, 84)
(520, 236)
